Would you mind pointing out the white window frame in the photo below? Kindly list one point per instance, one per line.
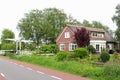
(62, 47)
(67, 34)
(97, 47)
(72, 46)
(97, 34)
(100, 35)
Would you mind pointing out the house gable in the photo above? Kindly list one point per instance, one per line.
(64, 39)
(66, 36)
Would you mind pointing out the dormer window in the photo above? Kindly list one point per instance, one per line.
(97, 34)
(67, 34)
(94, 34)
(100, 34)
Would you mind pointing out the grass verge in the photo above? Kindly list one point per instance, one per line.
(73, 67)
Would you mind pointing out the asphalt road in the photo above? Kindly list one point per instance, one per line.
(12, 71)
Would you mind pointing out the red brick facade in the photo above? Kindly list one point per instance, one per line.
(61, 39)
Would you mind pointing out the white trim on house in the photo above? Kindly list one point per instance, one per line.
(98, 44)
(72, 46)
(67, 34)
(110, 46)
(62, 33)
(62, 47)
(97, 34)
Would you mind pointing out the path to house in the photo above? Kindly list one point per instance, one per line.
(53, 73)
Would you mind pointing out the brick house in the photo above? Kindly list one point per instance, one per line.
(99, 38)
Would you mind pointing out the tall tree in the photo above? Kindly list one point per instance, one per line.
(72, 21)
(42, 24)
(82, 37)
(117, 32)
(33, 26)
(57, 20)
(116, 19)
(86, 23)
(97, 24)
(6, 33)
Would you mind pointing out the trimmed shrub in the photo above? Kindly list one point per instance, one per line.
(32, 46)
(91, 49)
(10, 49)
(54, 48)
(61, 56)
(81, 52)
(104, 57)
(45, 48)
(70, 56)
(8, 46)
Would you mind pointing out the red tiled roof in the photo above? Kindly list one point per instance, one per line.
(107, 37)
(73, 28)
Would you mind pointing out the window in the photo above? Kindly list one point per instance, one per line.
(100, 34)
(97, 47)
(62, 46)
(72, 46)
(67, 35)
(97, 34)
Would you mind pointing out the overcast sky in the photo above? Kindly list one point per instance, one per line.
(11, 11)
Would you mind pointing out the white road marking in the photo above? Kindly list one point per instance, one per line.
(40, 72)
(2, 74)
(56, 77)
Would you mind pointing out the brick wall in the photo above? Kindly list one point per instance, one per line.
(66, 41)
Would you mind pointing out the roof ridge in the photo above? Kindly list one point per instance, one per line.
(84, 26)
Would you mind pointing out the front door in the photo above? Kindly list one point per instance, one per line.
(97, 48)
